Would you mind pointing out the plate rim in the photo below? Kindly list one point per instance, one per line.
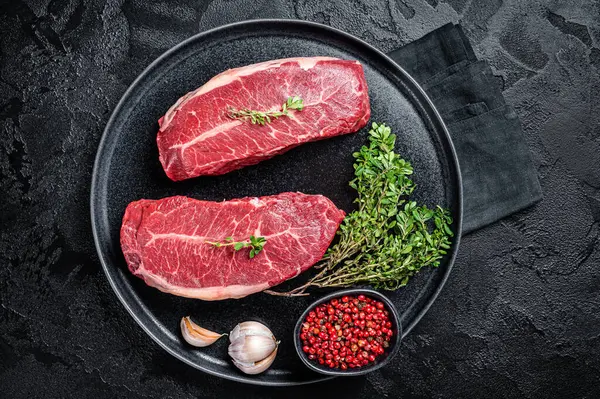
(300, 23)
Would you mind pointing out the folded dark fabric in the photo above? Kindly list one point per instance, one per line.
(434, 53)
(474, 83)
(496, 167)
(499, 177)
(466, 112)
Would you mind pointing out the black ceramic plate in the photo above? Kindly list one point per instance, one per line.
(127, 169)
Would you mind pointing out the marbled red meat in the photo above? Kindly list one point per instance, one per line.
(166, 242)
(197, 137)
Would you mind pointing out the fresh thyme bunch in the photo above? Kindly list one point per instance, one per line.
(388, 238)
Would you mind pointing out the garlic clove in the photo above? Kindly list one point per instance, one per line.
(249, 328)
(196, 335)
(252, 348)
(256, 367)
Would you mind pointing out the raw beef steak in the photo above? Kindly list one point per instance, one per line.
(198, 137)
(165, 242)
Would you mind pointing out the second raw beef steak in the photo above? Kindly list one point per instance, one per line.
(169, 243)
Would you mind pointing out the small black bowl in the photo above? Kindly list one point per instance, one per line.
(380, 361)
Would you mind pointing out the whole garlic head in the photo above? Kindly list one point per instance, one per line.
(253, 347)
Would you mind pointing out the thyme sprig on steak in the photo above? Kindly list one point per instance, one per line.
(255, 244)
(264, 117)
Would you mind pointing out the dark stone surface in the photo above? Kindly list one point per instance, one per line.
(520, 314)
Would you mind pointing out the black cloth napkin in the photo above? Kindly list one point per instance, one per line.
(499, 177)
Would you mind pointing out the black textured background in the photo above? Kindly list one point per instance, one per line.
(520, 315)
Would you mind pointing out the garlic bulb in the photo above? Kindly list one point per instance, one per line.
(196, 335)
(253, 347)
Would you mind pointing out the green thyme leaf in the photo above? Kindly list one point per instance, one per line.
(238, 245)
(264, 117)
